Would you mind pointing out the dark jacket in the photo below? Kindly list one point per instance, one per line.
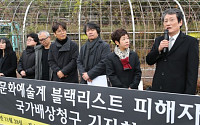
(63, 57)
(38, 63)
(177, 71)
(123, 78)
(9, 65)
(96, 60)
(27, 62)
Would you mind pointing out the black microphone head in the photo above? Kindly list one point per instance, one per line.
(166, 36)
(166, 31)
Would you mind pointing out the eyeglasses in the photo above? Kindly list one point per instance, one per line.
(61, 31)
(170, 20)
(43, 39)
(29, 40)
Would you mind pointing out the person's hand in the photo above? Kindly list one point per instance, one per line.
(85, 76)
(1, 74)
(60, 74)
(129, 88)
(163, 44)
(23, 73)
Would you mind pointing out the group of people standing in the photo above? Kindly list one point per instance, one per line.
(59, 60)
(176, 70)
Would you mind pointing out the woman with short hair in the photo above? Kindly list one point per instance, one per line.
(26, 65)
(123, 65)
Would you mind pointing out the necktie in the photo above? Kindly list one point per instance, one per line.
(170, 43)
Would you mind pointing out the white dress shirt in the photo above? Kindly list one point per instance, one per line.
(172, 40)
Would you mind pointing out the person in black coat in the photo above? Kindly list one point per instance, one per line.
(91, 57)
(176, 70)
(8, 59)
(123, 65)
(62, 55)
(26, 65)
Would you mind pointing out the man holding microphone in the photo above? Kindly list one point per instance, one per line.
(176, 59)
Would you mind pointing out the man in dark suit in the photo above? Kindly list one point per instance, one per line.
(176, 70)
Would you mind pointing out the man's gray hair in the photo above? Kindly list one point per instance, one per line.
(43, 31)
(176, 11)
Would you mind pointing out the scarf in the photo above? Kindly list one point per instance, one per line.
(124, 57)
(30, 49)
(89, 46)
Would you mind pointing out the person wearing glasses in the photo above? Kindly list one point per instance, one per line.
(42, 69)
(62, 56)
(26, 65)
(176, 70)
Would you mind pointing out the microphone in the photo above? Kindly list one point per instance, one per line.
(166, 37)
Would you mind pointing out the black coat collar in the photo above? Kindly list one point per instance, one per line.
(65, 47)
(180, 40)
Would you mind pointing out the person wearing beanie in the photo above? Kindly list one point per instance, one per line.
(62, 56)
(26, 65)
(123, 65)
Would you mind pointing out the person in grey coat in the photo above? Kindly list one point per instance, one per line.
(62, 56)
(42, 69)
(90, 61)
